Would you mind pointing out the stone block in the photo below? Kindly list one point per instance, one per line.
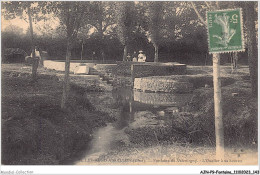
(83, 69)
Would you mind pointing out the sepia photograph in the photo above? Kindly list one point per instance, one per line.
(129, 83)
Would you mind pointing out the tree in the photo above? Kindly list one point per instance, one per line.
(158, 21)
(155, 10)
(71, 16)
(251, 17)
(15, 9)
(101, 18)
(125, 20)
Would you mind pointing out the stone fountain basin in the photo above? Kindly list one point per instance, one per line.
(151, 84)
(177, 83)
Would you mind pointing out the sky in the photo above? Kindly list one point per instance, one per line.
(17, 22)
(51, 22)
(25, 25)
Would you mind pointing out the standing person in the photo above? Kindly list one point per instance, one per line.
(141, 56)
(134, 57)
(128, 57)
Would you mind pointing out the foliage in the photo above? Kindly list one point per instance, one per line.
(71, 15)
(181, 32)
(125, 20)
(155, 17)
(13, 9)
(102, 16)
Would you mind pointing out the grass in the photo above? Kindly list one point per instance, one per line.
(36, 131)
(34, 128)
(239, 114)
(195, 124)
(190, 134)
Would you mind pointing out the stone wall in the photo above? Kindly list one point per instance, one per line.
(123, 68)
(149, 84)
(178, 83)
(162, 98)
(140, 69)
(157, 70)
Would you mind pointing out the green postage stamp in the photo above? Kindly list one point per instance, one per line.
(225, 31)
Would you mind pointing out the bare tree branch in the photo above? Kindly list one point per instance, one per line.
(207, 4)
(198, 14)
(106, 25)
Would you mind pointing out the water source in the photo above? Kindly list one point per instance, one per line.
(134, 110)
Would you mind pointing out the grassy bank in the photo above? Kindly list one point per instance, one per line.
(34, 128)
(194, 125)
(239, 114)
(190, 133)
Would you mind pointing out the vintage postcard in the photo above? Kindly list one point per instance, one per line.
(129, 83)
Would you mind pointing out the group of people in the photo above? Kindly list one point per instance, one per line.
(136, 58)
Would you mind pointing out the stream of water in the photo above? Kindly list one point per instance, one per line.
(135, 109)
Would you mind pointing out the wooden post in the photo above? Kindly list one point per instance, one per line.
(219, 129)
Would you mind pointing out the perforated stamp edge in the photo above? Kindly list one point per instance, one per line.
(241, 26)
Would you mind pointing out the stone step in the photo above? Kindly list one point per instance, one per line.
(107, 79)
(93, 72)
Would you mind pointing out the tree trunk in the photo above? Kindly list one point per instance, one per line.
(82, 47)
(101, 39)
(219, 129)
(234, 59)
(102, 54)
(66, 86)
(102, 44)
(252, 46)
(35, 61)
(156, 55)
(125, 53)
